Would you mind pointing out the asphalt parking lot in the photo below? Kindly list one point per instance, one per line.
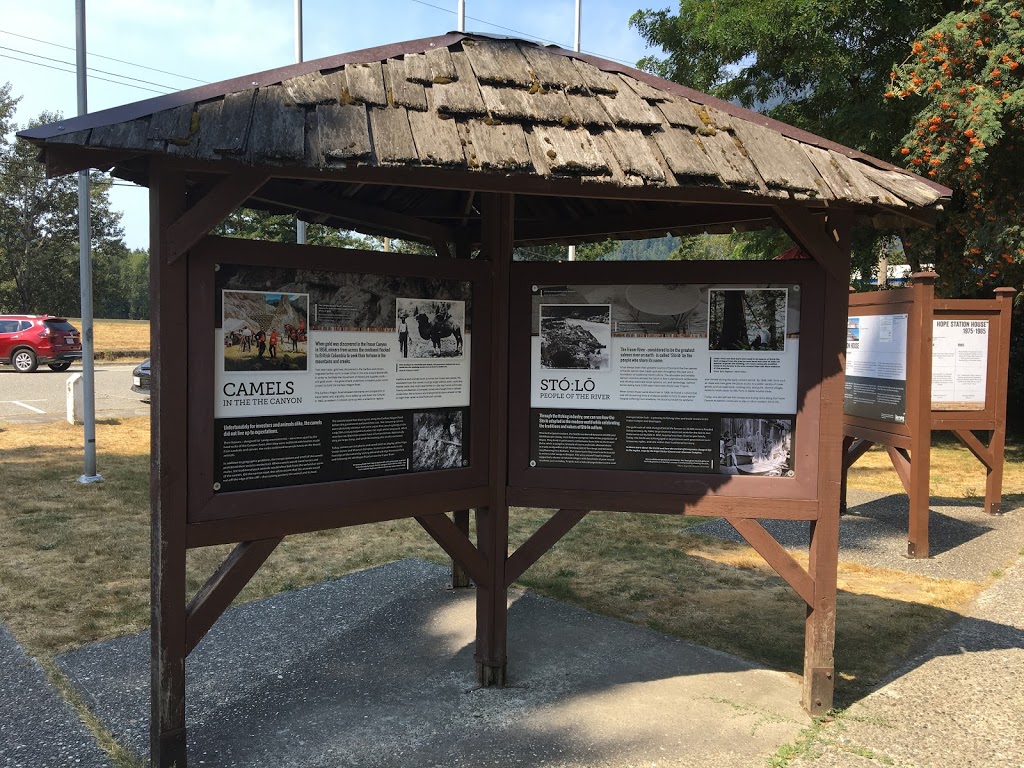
(35, 398)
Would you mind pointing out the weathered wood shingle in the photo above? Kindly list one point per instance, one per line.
(508, 107)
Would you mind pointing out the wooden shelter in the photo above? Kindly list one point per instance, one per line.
(473, 145)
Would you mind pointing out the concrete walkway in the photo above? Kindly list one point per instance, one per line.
(37, 727)
(376, 669)
(961, 703)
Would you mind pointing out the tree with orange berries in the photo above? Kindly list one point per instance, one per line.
(964, 77)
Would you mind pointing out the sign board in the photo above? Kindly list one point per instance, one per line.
(326, 376)
(876, 367)
(959, 364)
(698, 378)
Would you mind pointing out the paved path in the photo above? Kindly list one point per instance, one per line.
(37, 728)
(960, 704)
(376, 669)
(34, 398)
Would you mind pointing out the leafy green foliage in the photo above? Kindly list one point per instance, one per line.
(964, 79)
(818, 65)
(39, 268)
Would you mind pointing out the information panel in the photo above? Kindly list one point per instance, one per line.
(675, 378)
(876, 367)
(325, 375)
(959, 364)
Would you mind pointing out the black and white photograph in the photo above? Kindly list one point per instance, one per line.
(747, 319)
(429, 328)
(264, 331)
(756, 446)
(575, 336)
(437, 439)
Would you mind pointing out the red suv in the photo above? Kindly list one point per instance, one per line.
(28, 340)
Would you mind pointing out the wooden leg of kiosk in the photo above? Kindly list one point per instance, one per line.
(492, 598)
(847, 444)
(460, 579)
(994, 473)
(168, 340)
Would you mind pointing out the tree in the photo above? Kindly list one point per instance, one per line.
(818, 66)
(253, 224)
(39, 226)
(963, 78)
(584, 252)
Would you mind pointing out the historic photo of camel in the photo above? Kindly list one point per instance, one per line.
(575, 336)
(264, 331)
(429, 328)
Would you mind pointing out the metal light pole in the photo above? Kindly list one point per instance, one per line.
(462, 15)
(576, 47)
(85, 269)
(300, 225)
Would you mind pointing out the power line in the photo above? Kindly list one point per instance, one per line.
(72, 72)
(527, 35)
(88, 69)
(101, 56)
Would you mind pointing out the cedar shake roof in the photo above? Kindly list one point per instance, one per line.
(482, 106)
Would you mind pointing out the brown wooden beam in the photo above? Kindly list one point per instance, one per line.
(975, 446)
(457, 545)
(856, 451)
(195, 223)
(543, 539)
(901, 463)
(817, 239)
(214, 597)
(498, 217)
(776, 556)
(354, 212)
(169, 344)
(460, 577)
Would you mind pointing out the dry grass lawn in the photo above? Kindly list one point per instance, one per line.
(117, 335)
(75, 564)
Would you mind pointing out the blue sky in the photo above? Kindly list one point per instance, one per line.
(197, 41)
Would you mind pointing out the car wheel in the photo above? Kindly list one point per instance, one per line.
(60, 365)
(24, 360)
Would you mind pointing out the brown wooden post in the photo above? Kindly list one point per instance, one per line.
(997, 442)
(830, 246)
(497, 214)
(919, 411)
(460, 579)
(847, 444)
(168, 453)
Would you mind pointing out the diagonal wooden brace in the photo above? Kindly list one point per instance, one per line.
(193, 225)
(543, 539)
(456, 544)
(214, 597)
(777, 557)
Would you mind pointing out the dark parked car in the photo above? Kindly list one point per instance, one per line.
(28, 340)
(141, 379)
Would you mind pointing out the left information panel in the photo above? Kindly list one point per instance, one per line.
(324, 376)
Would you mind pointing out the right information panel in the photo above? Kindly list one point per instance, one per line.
(959, 364)
(676, 378)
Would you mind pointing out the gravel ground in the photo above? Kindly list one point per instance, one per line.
(961, 703)
(967, 544)
(37, 728)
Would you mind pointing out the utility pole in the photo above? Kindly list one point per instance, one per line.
(300, 225)
(576, 47)
(85, 269)
(462, 15)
